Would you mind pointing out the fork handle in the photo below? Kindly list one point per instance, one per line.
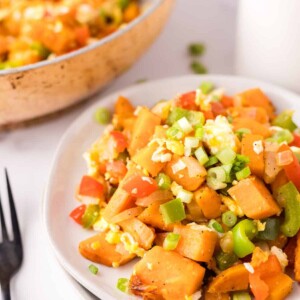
(5, 290)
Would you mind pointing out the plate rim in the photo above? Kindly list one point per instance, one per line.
(104, 101)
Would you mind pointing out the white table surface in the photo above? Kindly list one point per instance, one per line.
(28, 152)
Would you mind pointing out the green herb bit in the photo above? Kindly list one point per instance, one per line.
(229, 218)
(93, 269)
(285, 120)
(172, 211)
(171, 241)
(206, 87)
(201, 156)
(196, 49)
(225, 260)
(244, 173)
(174, 133)
(271, 231)
(198, 68)
(213, 224)
(122, 285)
(163, 181)
(226, 156)
(211, 161)
(281, 136)
(102, 116)
(90, 215)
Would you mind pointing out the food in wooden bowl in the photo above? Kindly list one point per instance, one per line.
(56, 53)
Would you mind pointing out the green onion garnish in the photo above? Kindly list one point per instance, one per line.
(241, 296)
(171, 241)
(122, 285)
(212, 161)
(229, 218)
(206, 87)
(163, 181)
(196, 49)
(201, 156)
(93, 269)
(244, 173)
(199, 132)
(213, 224)
(198, 67)
(174, 133)
(226, 156)
(172, 211)
(102, 115)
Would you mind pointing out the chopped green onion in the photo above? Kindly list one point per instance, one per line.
(196, 49)
(241, 296)
(244, 173)
(184, 125)
(198, 67)
(213, 224)
(90, 215)
(122, 285)
(226, 156)
(229, 218)
(225, 260)
(123, 3)
(191, 142)
(215, 184)
(174, 133)
(175, 114)
(199, 132)
(227, 169)
(281, 136)
(217, 173)
(201, 156)
(285, 120)
(240, 132)
(185, 196)
(41, 50)
(240, 162)
(163, 181)
(271, 231)
(93, 269)
(196, 118)
(171, 241)
(172, 211)
(206, 87)
(102, 115)
(211, 161)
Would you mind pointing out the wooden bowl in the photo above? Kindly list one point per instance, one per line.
(35, 90)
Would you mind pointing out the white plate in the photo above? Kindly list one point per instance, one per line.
(68, 167)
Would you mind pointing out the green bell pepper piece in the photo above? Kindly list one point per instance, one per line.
(285, 120)
(90, 215)
(243, 233)
(271, 231)
(290, 197)
(225, 260)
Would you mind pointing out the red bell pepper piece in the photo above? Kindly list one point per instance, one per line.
(120, 139)
(187, 101)
(77, 213)
(227, 101)
(116, 169)
(218, 108)
(296, 141)
(90, 187)
(140, 186)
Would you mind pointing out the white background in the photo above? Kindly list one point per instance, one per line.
(28, 152)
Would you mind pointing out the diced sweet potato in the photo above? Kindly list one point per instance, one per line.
(144, 158)
(254, 198)
(235, 278)
(258, 114)
(195, 244)
(280, 180)
(280, 285)
(152, 216)
(252, 146)
(209, 202)
(98, 250)
(191, 176)
(297, 259)
(194, 212)
(123, 111)
(271, 167)
(162, 274)
(254, 98)
(254, 126)
(159, 238)
(217, 296)
(143, 234)
(143, 129)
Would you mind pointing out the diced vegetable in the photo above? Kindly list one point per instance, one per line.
(271, 230)
(216, 296)
(254, 126)
(280, 286)
(254, 198)
(215, 225)
(229, 218)
(196, 49)
(187, 101)
(290, 197)
(90, 216)
(98, 250)
(297, 259)
(206, 87)
(93, 269)
(235, 278)
(172, 211)
(281, 136)
(212, 160)
(225, 260)
(102, 115)
(163, 181)
(285, 120)
(123, 284)
(196, 244)
(77, 213)
(171, 241)
(244, 173)
(120, 140)
(209, 201)
(123, 112)
(127, 214)
(155, 276)
(226, 156)
(90, 187)
(241, 296)
(243, 233)
(198, 67)
(201, 156)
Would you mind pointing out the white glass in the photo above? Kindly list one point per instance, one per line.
(268, 41)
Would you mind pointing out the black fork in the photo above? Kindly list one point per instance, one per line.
(11, 251)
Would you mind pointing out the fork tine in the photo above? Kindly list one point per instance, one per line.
(3, 226)
(13, 213)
